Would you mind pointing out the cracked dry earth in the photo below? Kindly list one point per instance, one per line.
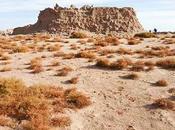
(117, 103)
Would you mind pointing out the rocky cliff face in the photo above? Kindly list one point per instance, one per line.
(94, 19)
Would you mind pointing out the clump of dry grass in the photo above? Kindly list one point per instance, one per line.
(121, 64)
(105, 41)
(82, 41)
(60, 121)
(55, 39)
(69, 56)
(73, 47)
(164, 103)
(73, 80)
(55, 63)
(90, 40)
(117, 65)
(86, 54)
(104, 63)
(133, 76)
(34, 107)
(145, 35)
(6, 121)
(133, 41)
(112, 40)
(172, 90)
(20, 49)
(162, 83)
(36, 65)
(55, 47)
(124, 51)
(5, 57)
(78, 35)
(168, 63)
(138, 66)
(64, 71)
(107, 51)
(5, 69)
(59, 54)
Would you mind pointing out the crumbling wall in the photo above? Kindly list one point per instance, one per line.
(94, 19)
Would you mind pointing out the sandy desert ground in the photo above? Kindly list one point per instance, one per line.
(119, 101)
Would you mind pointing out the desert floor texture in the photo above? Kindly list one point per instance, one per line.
(118, 101)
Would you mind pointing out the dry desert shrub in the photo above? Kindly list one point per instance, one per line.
(59, 54)
(55, 63)
(157, 53)
(145, 35)
(69, 56)
(76, 99)
(107, 51)
(149, 63)
(169, 41)
(138, 66)
(124, 51)
(104, 63)
(172, 90)
(105, 41)
(32, 108)
(168, 63)
(73, 80)
(79, 35)
(36, 65)
(55, 39)
(73, 47)
(6, 121)
(133, 41)
(116, 65)
(112, 40)
(61, 121)
(121, 64)
(64, 71)
(90, 40)
(162, 83)
(5, 69)
(20, 49)
(5, 57)
(86, 54)
(164, 103)
(55, 47)
(133, 76)
(82, 41)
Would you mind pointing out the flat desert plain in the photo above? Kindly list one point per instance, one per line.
(110, 83)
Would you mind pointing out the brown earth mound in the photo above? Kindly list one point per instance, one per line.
(101, 20)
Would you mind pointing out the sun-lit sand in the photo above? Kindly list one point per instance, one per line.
(122, 92)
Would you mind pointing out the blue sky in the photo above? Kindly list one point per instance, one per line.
(151, 13)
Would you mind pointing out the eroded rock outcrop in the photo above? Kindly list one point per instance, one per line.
(94, 19)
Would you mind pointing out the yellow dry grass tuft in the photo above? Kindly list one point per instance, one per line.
(35, 107)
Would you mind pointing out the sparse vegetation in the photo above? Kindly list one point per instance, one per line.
(86, 54)
(36, 65)
(64, 71)
(145, 35)
(73, 80)
(78, 35)
(164, 103)
(133, 41)
(162, 83)
(133, 76)
(32, 107)
(168, 63)
(104, 63)
(5, 69)
(55, 63)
